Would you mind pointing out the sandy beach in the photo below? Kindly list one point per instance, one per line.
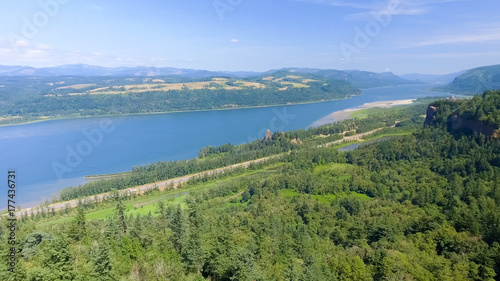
(345, 114)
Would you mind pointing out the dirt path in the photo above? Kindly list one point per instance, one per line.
(234, 196)
(161, 198)
(175, 182)
(350, 138)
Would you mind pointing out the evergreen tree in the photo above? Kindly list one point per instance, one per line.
(179, 226)
(163, 221)
(194, 255)
(58, 261)
(120, 216)
(136, 230)
(103, 268)
(78, 228)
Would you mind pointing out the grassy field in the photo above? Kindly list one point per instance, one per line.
(342, 171)
(365, 112)
(296, 85)
(339, 167)
(388, 134)
(77, 86)
(215, 83)
(343, 144)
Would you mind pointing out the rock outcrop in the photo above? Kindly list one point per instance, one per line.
(430, 116)
(438, 113)
(268, 136)
(458, 123)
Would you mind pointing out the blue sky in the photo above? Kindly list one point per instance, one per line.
(401, 36)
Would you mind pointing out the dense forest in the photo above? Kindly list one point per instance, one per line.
(484, 108)
(175, 100)
(421, 206)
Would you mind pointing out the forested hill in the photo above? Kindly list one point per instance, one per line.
(358, 78)
(475, 81)
(33, 98)
(481, 114)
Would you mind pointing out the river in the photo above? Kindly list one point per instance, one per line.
(52, 155)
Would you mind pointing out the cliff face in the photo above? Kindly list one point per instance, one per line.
(430, 116)
(458, 123)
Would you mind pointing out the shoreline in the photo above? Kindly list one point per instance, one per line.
(166, 112)
(346, 113)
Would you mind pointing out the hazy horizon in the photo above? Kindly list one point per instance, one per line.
(241, 70)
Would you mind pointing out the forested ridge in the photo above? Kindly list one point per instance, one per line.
(484, 108)
(481, 114)
(475, 81)
(422, 206)
(38, 98)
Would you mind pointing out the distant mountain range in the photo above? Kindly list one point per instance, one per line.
(90, 70)
(475, 81)
(360, 79)
(432, 78)
(471, 81)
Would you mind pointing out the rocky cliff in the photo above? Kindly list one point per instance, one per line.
(467, 126)
(445, 114)
(431, 115)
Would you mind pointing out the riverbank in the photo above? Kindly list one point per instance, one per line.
(48, 118)
(348, 113)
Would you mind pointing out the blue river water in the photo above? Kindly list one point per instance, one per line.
(52, 155)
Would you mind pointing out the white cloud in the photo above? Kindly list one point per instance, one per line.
(42, 55)
(359, 4)
(123, 59)
(453, 55)
(157, 59)
(368, 16)
(452, 39)
(43, 47)
(460, 55)
(96, 7)
(34, 53)
(397, 7)
(234, 40)
(21, 43)
(5, 51)
(376, 4)
(466, 36)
